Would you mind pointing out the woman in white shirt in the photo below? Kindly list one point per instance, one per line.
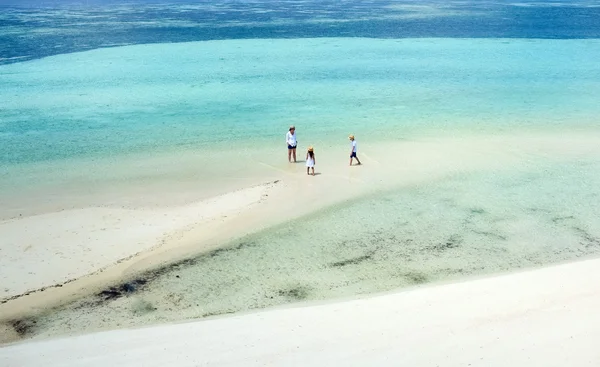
(290, 139)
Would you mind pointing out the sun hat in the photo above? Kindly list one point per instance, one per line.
(292, 127)
(310, 149)
(351, 137)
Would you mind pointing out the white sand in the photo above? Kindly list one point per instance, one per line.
(46, 248)
(53, 248)
(546, 317)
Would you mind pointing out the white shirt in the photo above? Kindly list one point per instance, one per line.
(290, 139)
(353, 143)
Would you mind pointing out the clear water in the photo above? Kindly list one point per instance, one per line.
(465, 225)
(88, 82)
(204, 95)
(435, 63)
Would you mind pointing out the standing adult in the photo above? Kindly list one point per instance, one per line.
(290, 139)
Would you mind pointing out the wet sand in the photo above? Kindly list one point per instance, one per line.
(544, 317)
(112, 244)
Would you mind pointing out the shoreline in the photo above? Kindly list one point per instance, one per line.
(8, 336)
(430, 159)
(488, 317)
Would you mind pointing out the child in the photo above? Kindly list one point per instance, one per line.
(310, 161)
(353, 151)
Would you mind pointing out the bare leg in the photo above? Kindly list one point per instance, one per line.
(313, 171)
(350, 160)
(307, 170)
(358, 160)
(294, 152)
(290, 155)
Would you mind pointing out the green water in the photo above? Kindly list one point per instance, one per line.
(203, 95)
(66, 112)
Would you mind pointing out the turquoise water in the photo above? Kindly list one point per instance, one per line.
(79, 122)
(150, 98)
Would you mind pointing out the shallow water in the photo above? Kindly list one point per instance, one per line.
(466, 225)
(202, 96)
(108, 120)
(77, 123)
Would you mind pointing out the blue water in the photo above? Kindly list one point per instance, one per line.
(204, 95)
(437, 64)
(91, 80)
(34, 29)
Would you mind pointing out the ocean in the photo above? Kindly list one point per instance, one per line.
(398, 64)
(32, 29)
(86, 83)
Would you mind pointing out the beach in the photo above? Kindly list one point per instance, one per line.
(149, 213)
(146, 238)
(540, 317)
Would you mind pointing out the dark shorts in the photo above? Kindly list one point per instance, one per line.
(353, 155)
(291, 147)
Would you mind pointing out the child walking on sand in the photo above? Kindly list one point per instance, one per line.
(310, 161)
(353, 151)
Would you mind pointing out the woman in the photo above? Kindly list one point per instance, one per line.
(290, 139)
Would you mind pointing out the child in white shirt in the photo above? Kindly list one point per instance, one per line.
(354, 149)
